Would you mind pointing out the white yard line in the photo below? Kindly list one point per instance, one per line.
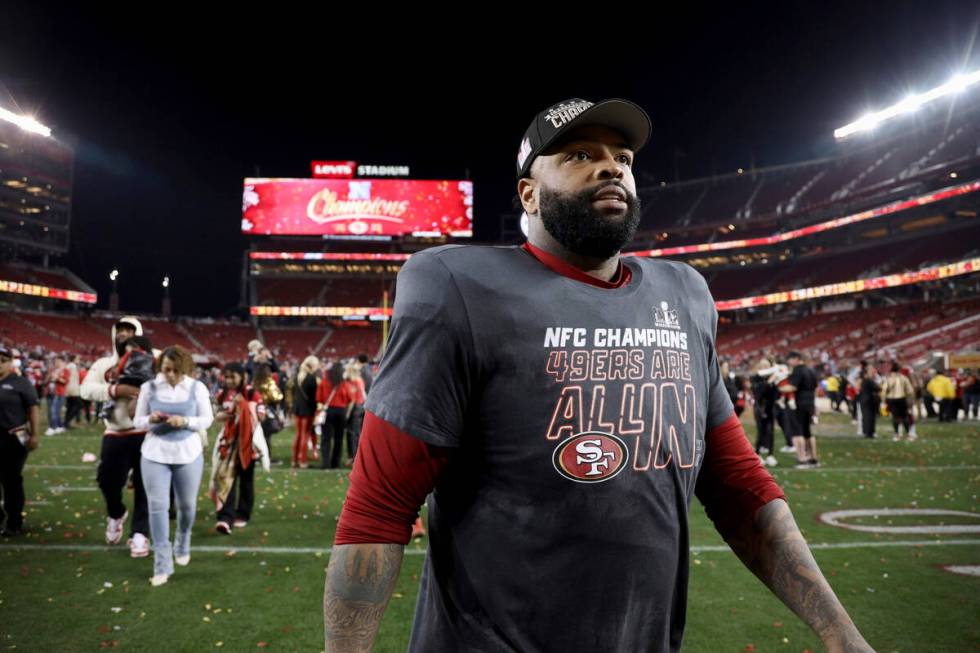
(94, 467)
(788, 468)
(287, 550)
(883, 468)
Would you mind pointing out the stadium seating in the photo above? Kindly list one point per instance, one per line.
(286, 291)
(822, 268)
(298, 291)
(38, 277)
(917, 328)
(348, 342)
(293, 344)
(862, 171)
(225, 340)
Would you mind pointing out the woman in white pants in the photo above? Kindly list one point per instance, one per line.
(174, 407)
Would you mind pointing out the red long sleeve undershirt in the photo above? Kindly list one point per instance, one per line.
(393, 472)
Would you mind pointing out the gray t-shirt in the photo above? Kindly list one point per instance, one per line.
(577, 417)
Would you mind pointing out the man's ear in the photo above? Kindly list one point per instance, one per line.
(527, 192)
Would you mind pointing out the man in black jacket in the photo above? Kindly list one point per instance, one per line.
(803, 382)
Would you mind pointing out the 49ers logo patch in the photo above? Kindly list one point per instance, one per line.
(590, 457)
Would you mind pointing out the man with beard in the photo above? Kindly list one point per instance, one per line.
(121, 443)
(563, 405)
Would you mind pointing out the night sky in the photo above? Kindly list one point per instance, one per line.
(171, 109)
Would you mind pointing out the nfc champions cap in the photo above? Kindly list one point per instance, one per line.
(551, 124)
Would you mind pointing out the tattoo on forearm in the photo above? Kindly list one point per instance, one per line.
(360, 579)
(774, 550)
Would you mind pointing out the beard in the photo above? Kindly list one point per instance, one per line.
(580, 228)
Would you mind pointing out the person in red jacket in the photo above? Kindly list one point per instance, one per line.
(240, 444)
(57, 380)
(334, 399)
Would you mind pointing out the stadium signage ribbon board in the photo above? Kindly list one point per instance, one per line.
(356, 207)
(327, 256)
(371, 313)
(881, 211)
(44, 291)
(964, 360)
(968, 266)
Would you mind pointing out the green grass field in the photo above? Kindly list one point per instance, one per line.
(63, 589)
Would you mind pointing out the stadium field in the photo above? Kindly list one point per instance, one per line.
(260, 589)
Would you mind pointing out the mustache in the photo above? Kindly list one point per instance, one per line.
(606, 184)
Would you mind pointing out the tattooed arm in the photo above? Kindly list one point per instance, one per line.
(360, 579)
(773, 548)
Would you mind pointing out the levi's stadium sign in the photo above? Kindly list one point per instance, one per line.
(347, 170)
(357, 207)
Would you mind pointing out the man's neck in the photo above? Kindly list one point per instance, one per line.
(602, 269)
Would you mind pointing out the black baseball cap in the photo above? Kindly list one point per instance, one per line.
(551, 124)
(6, 351)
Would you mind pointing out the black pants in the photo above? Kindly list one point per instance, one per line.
(929, 401)
(899, 409)
(243, 489)
(73, 410)
(267, 432)
(120, 454)
(13, 455)
(764, 426)
(333, 432)
(869, 415)
(835, 399)
(972, 405)
(788, 422)
(804, 415)
(947, 410)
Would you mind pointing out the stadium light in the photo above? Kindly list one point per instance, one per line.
(166, 282)
(910, 104)
(27, 123)
(113, 275)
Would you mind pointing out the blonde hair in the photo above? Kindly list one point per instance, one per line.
(309, 365)
(352, 371)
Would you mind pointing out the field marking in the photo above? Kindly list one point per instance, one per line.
(61, 489)
(287, 550)
(963, 570)
(837, 517)
(276, 469)
(817, 470)
(883, 468)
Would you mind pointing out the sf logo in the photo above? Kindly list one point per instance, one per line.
(590, 457)
(589, 452)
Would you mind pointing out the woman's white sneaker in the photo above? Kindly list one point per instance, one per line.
(159, 579)
(183, 561)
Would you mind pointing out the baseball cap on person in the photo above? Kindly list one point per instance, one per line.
(551, 124)
(126, 323)
(6, 351)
